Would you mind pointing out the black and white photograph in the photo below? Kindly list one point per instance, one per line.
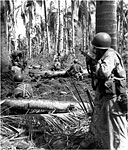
(64, 75)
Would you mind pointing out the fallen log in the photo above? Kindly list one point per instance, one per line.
(50, 74)
(43, 104)
(46, 74)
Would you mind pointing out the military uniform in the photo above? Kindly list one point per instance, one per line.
(56, 66)
(108, 120)
(22, 90)
(75, 70)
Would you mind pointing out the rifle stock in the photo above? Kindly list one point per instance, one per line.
(89, 55)
(91, 62)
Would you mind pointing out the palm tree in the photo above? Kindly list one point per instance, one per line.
(66, 29)
(75, 8)
(47, 30)
(122, 24)
(5, 9)
(60, 43)
(106, 19)
(83, 18)
(57, 33)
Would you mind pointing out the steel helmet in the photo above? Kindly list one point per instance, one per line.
(75, 60)
(18, 78)
(102, 40)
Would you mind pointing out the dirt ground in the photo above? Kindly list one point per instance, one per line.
(61, 89)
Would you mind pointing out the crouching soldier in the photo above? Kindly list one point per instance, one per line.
(75, 70)
(18, 60)
(16, 70)
(56, 66)
(22, 90)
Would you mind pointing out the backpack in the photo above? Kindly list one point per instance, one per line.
(117, 82)
(120, 76)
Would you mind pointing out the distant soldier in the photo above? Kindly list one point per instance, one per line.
(16, 70)
(76, 70)
(57, 65)
(22, 90)
(17, 59)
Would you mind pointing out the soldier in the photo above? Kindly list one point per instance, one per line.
(57, 65)
(16, 57)
(75, 70)
(16, 70)
(22, 90)
(18, 60)
(109, 118)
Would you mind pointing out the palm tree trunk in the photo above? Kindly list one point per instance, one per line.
(5, 59)
(8, 38)
(121, 38)
(57, 34)
(29, 39)
(83, 32)
(73, 29)
(66, 30)
(47, 31)
(43, 104)
(106, 19)
(60, 44)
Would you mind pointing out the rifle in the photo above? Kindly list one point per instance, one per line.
(80, 98)
(90, 62)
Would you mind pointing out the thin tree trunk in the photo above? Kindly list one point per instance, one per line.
(60, 44)
(8, 35)
(106, 19)
(47, 31)
(121, 38)
(29, 37)
(73, 30)
(83, 33)
(86, 24)
(57, 34)
(66, 31)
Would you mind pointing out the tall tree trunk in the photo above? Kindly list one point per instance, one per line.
(5, 59)
(47, 31)
(106, 19)
(73, 29)
(66, 30)
(121, 38)
(29, 37)
(57, 34)
(60, 43)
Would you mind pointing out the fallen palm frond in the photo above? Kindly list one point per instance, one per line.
(54, 130)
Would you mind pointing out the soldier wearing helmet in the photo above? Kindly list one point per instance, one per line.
(18, 78)
(22, 90)
(56, 65)
(109, 117)
(101, 42)
(75, 70)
